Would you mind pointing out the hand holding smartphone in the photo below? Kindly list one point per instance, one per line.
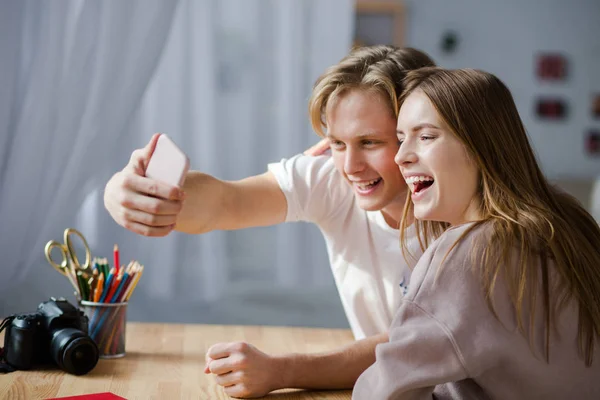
(168, 162)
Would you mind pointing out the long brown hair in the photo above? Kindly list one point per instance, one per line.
(549, 228)
(379, 69)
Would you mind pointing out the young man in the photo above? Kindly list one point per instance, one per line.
(356, 197)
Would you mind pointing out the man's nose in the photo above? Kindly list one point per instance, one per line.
(353, 162)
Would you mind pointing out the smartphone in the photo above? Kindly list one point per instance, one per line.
(168, 163)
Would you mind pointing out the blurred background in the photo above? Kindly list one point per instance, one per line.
(85, 82)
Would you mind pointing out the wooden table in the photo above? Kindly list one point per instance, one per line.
(166, 361)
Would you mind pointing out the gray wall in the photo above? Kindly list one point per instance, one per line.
(503, 37)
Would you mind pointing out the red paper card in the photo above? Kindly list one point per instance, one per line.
(93, 396)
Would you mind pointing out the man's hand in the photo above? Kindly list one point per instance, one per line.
(318, 149)
(141, 204)
(246, 372)
(243, 370)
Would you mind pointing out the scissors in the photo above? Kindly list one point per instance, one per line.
(70, 264)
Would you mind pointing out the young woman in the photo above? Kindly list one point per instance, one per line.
(356, 197)
(505, 304)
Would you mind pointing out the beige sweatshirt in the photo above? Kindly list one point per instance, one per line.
(446, 344)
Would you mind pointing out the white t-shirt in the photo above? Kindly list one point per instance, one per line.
(364, 251)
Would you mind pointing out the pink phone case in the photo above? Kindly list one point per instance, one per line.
(168, 163)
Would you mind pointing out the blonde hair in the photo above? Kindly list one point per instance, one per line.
(380, 69)
(522, 209)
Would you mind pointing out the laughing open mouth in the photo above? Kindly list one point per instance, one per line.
(419, 183)
(367, 187)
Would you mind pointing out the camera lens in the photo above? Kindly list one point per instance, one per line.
(74, 351)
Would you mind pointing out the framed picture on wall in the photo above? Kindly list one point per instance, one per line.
(551, 67)
(379, 22)
(592, 142)
(596, 106)
(551, 108)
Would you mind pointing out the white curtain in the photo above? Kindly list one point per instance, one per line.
(231, 89)
(71, 75)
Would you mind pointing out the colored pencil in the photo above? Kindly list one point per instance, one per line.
(116, 257)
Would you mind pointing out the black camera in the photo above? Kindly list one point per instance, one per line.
(57, 333)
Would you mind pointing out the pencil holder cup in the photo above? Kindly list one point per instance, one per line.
(106, 326)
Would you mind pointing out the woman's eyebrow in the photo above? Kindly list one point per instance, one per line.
(418, 128)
